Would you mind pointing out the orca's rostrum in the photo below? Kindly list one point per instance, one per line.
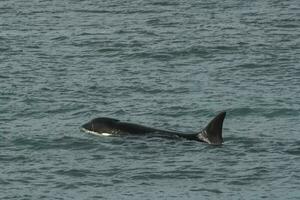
(211, 134)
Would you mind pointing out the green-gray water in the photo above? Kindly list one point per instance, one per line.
(166, 64)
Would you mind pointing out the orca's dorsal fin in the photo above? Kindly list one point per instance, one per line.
(212, 134)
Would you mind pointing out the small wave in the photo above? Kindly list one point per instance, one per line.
(60, 38)
(64, 142)
(215, 191)
(293, 148)
(98, 11)
(266, 112)
(164, 3)
(12, 158)
(74, 172)
(281, 112)
(243, 111)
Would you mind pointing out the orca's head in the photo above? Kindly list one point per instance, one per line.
(100, 125)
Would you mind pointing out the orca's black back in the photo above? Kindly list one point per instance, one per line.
(135, 128)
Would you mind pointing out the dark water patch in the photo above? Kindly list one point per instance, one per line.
(117, 12)
(97, 197)
(88, 34)
(4, 49)
(109, 50)
(37, 13)
(15, 158)
(248, 179)
(98, 11)
(63, 108)
(281, 112)
(74, 172)
(98, 157)
(214, 191)
(32, 46)
(152, 55)
(250, 66)
(163, 3)
(68, 186)
(227, 48)
(4, 76)
(64, 142)
(4, 182)
(73, 143)
(244, 111)
(292, 148)
(265, 112)
(200, 51)
(245, 142)
(174, 53)
(5, 10)
(293, 151)
(23, 180)
(178, 174)
(288, 26)
(120, 112)
(80, 56)
(117, 181)
(60, 38)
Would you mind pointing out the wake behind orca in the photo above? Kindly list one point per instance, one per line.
(211, 134)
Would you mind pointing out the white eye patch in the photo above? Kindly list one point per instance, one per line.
(95, 133)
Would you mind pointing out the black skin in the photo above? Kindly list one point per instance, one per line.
(212, 133)
(114, 126)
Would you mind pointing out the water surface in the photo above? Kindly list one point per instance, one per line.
(167, 64)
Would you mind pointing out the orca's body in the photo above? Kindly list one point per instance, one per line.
(212, 134)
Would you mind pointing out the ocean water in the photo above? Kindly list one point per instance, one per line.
(167, 64)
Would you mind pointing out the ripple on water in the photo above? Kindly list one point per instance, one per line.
(170, 64)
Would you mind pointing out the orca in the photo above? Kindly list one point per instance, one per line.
(211, 134)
